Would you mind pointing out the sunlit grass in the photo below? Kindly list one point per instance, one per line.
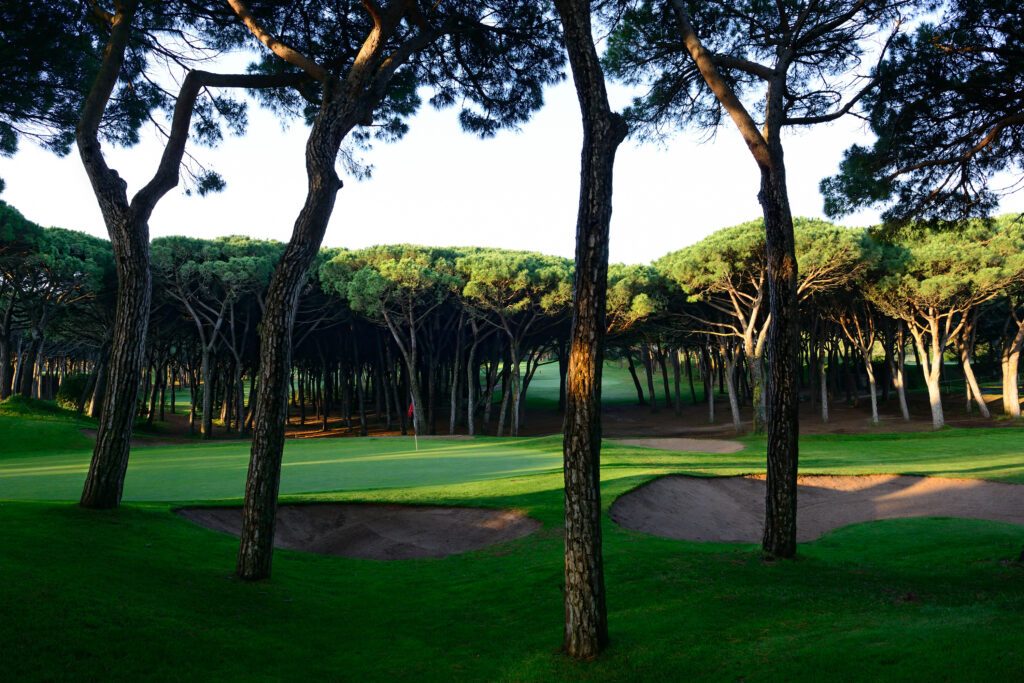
(118, 595)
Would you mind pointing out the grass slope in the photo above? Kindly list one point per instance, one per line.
(139, 593)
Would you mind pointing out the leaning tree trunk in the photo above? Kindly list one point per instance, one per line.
(972, 382)
(730, 385)
(120, 381)
(586, 620)
(898, 372)
(259, 513)
(782, 352)
(640, 400)
(870, 370)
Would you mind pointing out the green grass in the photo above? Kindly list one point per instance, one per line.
(617, 386)
(138, 593)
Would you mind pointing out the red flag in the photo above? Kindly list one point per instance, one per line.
(410, 410)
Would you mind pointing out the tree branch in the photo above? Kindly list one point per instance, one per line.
(285, 52)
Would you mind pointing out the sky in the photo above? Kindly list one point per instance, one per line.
(442, 187)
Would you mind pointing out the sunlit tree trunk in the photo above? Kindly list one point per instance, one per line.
(1010, 362)
(586, 620)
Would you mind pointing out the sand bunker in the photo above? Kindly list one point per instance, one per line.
(731, 509)
(691, 445)
(378, 532)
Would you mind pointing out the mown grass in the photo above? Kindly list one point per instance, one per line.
(139, 593)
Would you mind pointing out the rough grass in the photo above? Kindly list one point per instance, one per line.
(36, 409)
(139, 593)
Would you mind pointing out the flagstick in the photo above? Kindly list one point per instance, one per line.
(415, 430)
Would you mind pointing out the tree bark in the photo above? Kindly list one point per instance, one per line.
(1010, 362)
(640, 401)
(675, 378)
(782, 354)
(128, 226)
(965, 347)
(120, 382)
(647, 356)
(586, 620)
(6, 367)
(931, 368)
(255, 552)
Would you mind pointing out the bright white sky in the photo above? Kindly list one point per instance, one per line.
(442, 187)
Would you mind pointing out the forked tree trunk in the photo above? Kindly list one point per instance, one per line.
(586, 620)
(1010, 363)
(255, 552)
(128, 226)
(931, 368)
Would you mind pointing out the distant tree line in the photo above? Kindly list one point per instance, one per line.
(458, 334)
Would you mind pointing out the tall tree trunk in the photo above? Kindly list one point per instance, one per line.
(28, 376)
(206, 373)
(453, 401)
(1009, 362)
(931, 368)
(506, 382)
(965, 346)
(647, 356)
(689, 377)
(472, 376)
(709, 383)
(730, 384)
(664, 376)
(899, 374)
(357, 370)
(675, 378)
(563, 370)
(759, 395)
(242, 417)
(640, 401)
(972, 382)
(823, 385)
(586, 620)
(259, 513)
(782, 353)
(870, 370)
(105, 481)
(6, 366)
